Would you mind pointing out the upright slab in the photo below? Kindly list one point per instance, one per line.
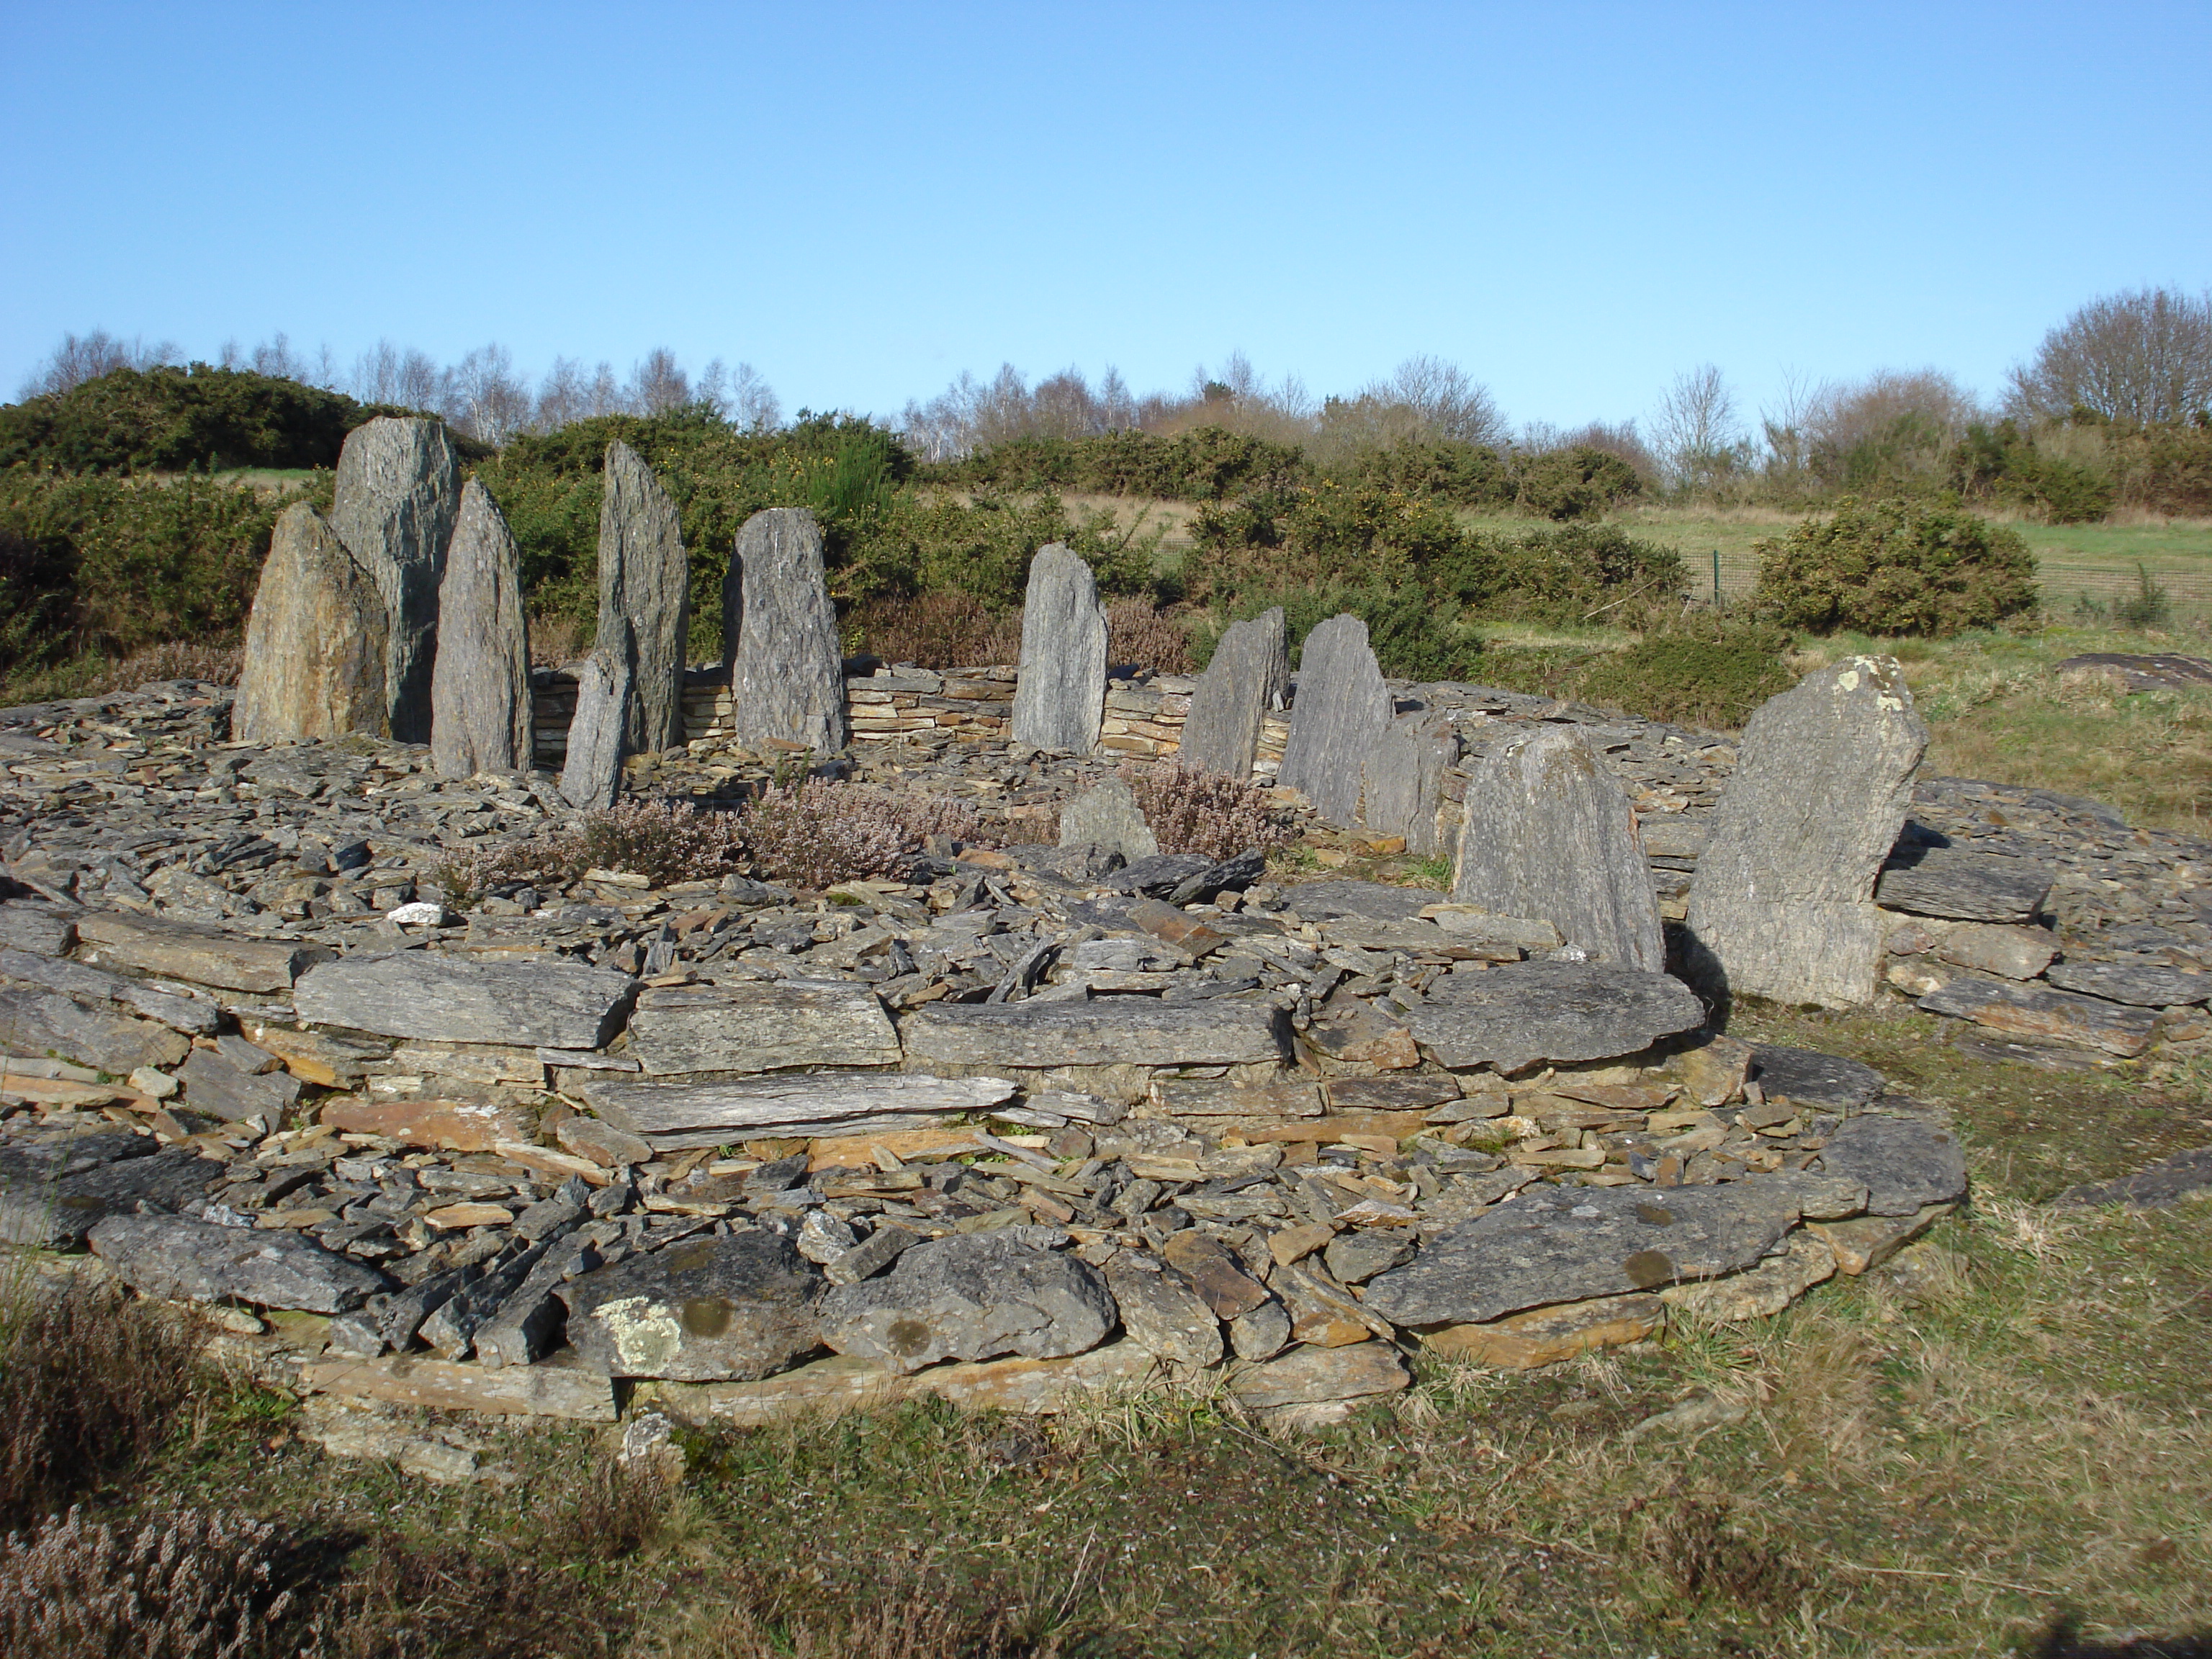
(1549, 834)
(592, 771)
(1108, 817)
(1343, 709)
(1250, 675)
(480, 707)
(1404, 780)
(315, 641)
(645, 584)
(1060, 699)
(398, 492)
(780, 635)
(1782, 905)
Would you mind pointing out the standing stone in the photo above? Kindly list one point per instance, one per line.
(1782, 905)
(645, 586)
(1250, 675)
(592, 771)
(780, 635)
(1108, 817)
(480, 691)
(1059, 701)
(315, 641)
(1549, 834)
(398, 489)
(1404, 781)
(1343, 709)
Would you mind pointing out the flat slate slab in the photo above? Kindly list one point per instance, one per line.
(1516, 1015)
(1961, 884)
(2028, 1011)
(749, 1026)
(36, 1021)
(972, 1297)
(54, 1189)
(1116, 1031)
(157, 944)
(1570, 1244)
(732, 1307)
(1814, 1079)
(1904, 1163)
(675, 1115)
(2168, 1182)
(182, 1260)
(1370, 901)
(412, 994)
(2144, 985)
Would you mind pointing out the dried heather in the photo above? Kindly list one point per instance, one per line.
(939, 630)
(663, 839)
(1205, 812)
(186, 1585)
(1139, 632)
(817, 833)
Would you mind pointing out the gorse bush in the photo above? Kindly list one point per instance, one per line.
(935, 630)
(1895, 567)
(171, 420)
(1580, 483)
(1690, 680)
(1208, 464)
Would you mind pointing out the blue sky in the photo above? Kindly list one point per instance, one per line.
(1575, 202)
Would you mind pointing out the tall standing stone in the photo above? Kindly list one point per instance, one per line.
(780, 635)
(315, 641)
(1781, 904)
(398, 490)
(645, 584)
(1249, 674)
(1405, 781)
(1549, 835)
(1059, 701)
(597, 746)
(1342, 710)
(480, 703)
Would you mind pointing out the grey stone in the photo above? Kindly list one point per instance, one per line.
(2009, 952)
(1108, 817)
(1813, 1079)
(215, 1085)
(1782, 903)
(727, 1308)
(1320, 1377)
(1342, 710)
(2154, 672)
(1519, 1013)
(1356, 1257)
(412, 994)
(1960, 883)
(2034, 1012)
(36, 1021)
(398, 490)
(970, 1296)
(871, 1255)
(1116, 1030)
(89, 984)
(591, 775)
(1261, 1334)
(55, 1187)
(1249, 674)
(1404, 781)
(480, 700)
(751, 1026)
(453, 1329)
(182, 1260)
(2143, 984)
(645, 586)
(676, 1114)
(1549, 834)
(1060, 700)
(1570, 1244)
(179, 949)
(1904, 1163)
(316, 641)
(1162, 1315)
(1160, 874)
(2165, 1183)
(779, 646)
(1368, 901)
(41, 929)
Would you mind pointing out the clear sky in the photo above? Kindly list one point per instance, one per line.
(1575, 202)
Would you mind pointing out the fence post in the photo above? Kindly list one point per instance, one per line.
(1716, 579)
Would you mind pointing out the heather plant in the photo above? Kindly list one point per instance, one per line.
(1140, 634)
(815, 833)
(665, 839)
(1208, 813)
(935, 630)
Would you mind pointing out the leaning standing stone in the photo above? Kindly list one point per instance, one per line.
(399, 489)
(480, 691)
(780, 635)
(1404, 780)
(1549, 834)
(1342, 710)
(644, 585)
(1249, 674)
(1061, 698)
(1781, 904)
(315, 641)
(592, 771)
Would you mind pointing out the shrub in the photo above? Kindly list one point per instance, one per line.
(1580, 483)
(2149, 607)
(815, 834)
(1895, 567)
(185, 1585)
(168, 419)
(2001, 463)
(936, 630)
(90, 1384)
(1207, 813)
(1464, 474)
(1560, 575)
(1140, 633)
(1206, 464)
(668, 841)
(1691, 681)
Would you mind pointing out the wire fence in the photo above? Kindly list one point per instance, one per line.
(2069, 585)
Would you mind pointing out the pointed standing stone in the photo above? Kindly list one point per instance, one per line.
(645, 583)
(1060, 700)
(1249, 674)
(1405, 781)
(399, 489)
(315, 641)
(1782, 905)
(592, 771)
(780, 635)
(480, 690)
(1549, 835)
(1342, 710)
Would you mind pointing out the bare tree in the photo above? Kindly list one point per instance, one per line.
(658, 384)
(1695, 430)
(2144, 357)
(80, 358)
(488, 399)
(1894, 424)
(739, 396)
(1783, 427)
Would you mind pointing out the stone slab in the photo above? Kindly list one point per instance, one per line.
(1545, 1336)
(1904, 1163)
(2142, 985)
(1961, 884)
(177, 1259)
(736, 1306)
(1248, 677)
(53, 1194)
(545, 1390)
(1060, 699)
(1868, 1240)
(2169, 1182)
(436, 998)
(1813, 1079)
(1759, 1292)
(781, 654)
(845, 1383)
(36, 1021)
(667, 1114)
(178, 950)
(1108, 817)
(1319, 1377)
(2034, 1011)
(317, 639)
(1342, 710)
(398, 490)
(480, 698)
(970, 1296)
(752, 1026)
(1517, 1014)
(645, 586)
(1118, 1030)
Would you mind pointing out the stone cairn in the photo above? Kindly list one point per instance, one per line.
(1033, 1121)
